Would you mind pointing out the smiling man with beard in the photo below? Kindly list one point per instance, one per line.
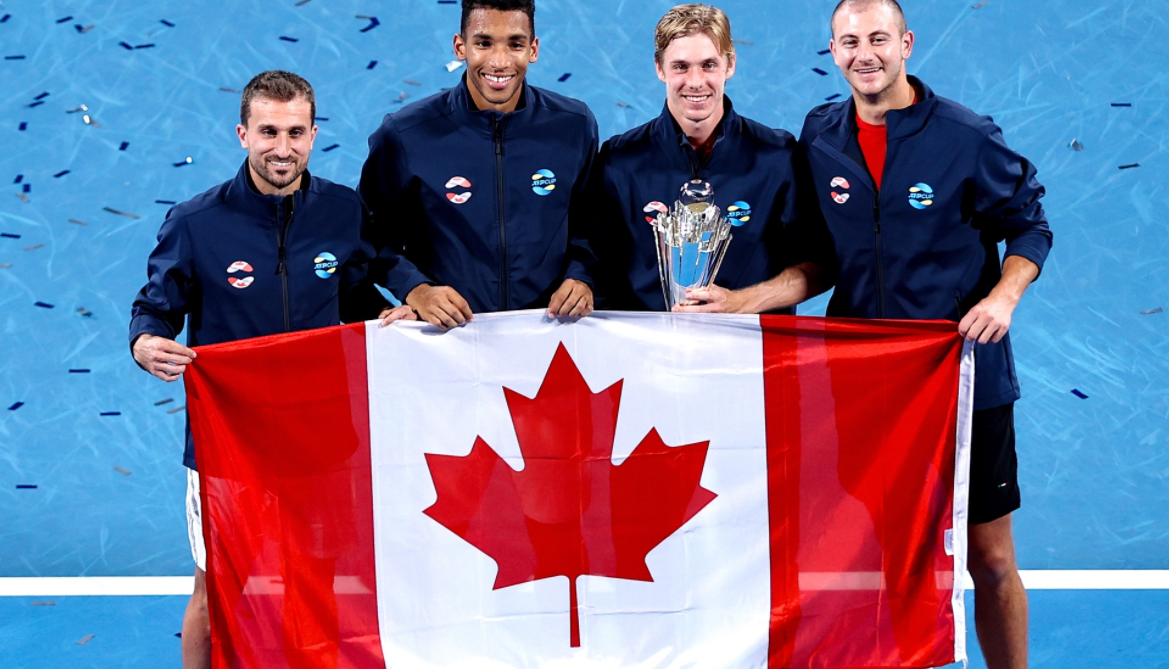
(698, 136)
(476, 192)
(272, 250)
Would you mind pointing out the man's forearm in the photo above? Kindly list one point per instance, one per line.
(1018, 274)
(791, 286)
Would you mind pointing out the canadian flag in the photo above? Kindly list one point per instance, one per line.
(629, 490)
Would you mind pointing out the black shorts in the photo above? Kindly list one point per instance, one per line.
(994, 469)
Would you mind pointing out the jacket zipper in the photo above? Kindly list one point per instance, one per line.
(881, 312)
(503, 280)
(846, 161)
(879, 255)
(282, 266)
(692, 159)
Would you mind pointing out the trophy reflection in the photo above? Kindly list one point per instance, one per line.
(692, 238)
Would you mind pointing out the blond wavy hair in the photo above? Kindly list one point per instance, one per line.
(687, 20)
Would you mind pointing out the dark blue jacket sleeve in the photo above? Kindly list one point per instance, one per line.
(785, 216)
(808, 234)
(581, 258)
(359, 299)
(612, 239)
(384, 187)
(1007, 200)
(163, 303)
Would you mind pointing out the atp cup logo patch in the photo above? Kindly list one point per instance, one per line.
(543, 182)
(458, 182)
(325, 264)
(738, 213)
(839, 197)
(921, 195)
(240, 281)
(653, 209)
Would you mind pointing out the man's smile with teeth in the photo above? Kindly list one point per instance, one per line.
(869, 70)
(499, 79)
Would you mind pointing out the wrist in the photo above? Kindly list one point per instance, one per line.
(1006, 295)
(417, 294)
(750, 300)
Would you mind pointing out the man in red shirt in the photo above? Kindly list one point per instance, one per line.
(917, 192)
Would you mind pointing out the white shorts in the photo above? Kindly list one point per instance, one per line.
(195, 520)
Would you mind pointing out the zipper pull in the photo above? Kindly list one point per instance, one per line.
(498, 137)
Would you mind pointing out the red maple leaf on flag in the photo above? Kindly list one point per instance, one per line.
(570, 511)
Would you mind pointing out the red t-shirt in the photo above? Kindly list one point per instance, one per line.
(873, 139)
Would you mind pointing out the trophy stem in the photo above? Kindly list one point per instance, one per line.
(663, 274)
(718, 262)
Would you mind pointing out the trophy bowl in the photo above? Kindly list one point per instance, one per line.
(692, 238)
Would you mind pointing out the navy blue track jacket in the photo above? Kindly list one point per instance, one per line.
(239, 264)
(484, 202)
(641, 171)
(926, 245)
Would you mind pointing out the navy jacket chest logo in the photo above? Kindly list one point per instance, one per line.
(325, 264)
(653, 209)
(543, 182)
(921, 195)
(738, 213)
(458, 189)
(839, 192)
(240, 281)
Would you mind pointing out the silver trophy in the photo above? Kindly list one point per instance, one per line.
(692, 238)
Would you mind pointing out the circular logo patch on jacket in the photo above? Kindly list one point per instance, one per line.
(460, 183)
(543, 182)
(739, 213)
(921, 195)
(653, 209)
(325, 264)
(240, 281)
(839, 197)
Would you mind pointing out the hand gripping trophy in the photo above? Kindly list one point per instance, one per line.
(692, 239)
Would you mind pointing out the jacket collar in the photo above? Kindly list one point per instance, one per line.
(670, 133)
(900, 123)
(242, 195)
(462, 108)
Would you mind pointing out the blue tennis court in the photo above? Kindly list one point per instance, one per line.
(112, 111)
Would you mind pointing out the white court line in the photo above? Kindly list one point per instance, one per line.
(124, 586)
(1103, 579)
(88, 586)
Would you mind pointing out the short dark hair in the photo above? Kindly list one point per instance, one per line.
(276, 85)
(891, 4)
(526, 6)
